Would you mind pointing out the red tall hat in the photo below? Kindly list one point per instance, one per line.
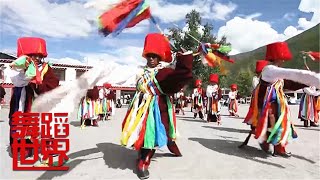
(198, 82)
(158, 44)
(260, 64)
(234, 86)
(278, 51)
(214, 78)
(107, 85)
(31, 45)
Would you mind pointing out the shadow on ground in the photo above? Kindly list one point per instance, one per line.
(75, 123)
(115, 157)
(228, 129)
(230, 147)
(307, 128)
(192, 120)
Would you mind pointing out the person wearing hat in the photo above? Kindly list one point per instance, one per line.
(233, 104)
(180, 101)
(310, 107)
(198, 99)
(214, 95)
(310, 101)
(150, 121)
(87, 112)
(31, 77)
(270, 111)
(260, 64)
(106, 101)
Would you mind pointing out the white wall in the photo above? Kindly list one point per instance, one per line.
(70, 74)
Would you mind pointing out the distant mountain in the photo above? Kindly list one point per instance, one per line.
(306, 41)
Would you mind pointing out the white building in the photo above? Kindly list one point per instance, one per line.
(65, 73)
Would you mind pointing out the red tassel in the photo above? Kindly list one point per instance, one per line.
(215, 46)
(314, 55)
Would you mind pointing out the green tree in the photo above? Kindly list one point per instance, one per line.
(244, 82)
(204, 34)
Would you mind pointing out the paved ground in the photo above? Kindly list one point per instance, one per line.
(209, 152)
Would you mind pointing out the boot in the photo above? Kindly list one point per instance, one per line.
(313, 124)
(219, 120)
(142, 170)
(305, 123)
(173, 148)
(95, 123)
(281, 151)
(149, 156)
(264, 146)
(143, 162)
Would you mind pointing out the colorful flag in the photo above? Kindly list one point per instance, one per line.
(126, 14)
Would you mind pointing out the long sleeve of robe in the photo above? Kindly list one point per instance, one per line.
(50, 81)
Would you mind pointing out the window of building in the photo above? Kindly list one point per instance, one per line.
(79, 73)
(60, 73)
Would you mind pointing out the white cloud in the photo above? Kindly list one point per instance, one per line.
(253, 16)
(128, 55)
(247, 34)
(221, 11)
(120, 42)
(186, 29)
(169, 12)
(44, 18)
(309, 6)
(288, 16)
(101, 5)
(291, 31)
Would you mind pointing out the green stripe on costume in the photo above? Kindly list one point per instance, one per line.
(172, 130)
(150, 135)
(157, 84)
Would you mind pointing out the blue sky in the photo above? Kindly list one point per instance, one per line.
(70, 29)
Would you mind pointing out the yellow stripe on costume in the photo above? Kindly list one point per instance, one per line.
(128, 120)
(44, 71)
(136, 128)
(124, 131)
(138, 118)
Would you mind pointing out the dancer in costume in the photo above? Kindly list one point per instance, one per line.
(310, 107)
(233, 104)
(150, 121)
(260, 64)
(214, 95)
(198, 100)
(310, 101)
(32, 77)
(269, 114)
(88, 108)
(180, 101)
(106, 101)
